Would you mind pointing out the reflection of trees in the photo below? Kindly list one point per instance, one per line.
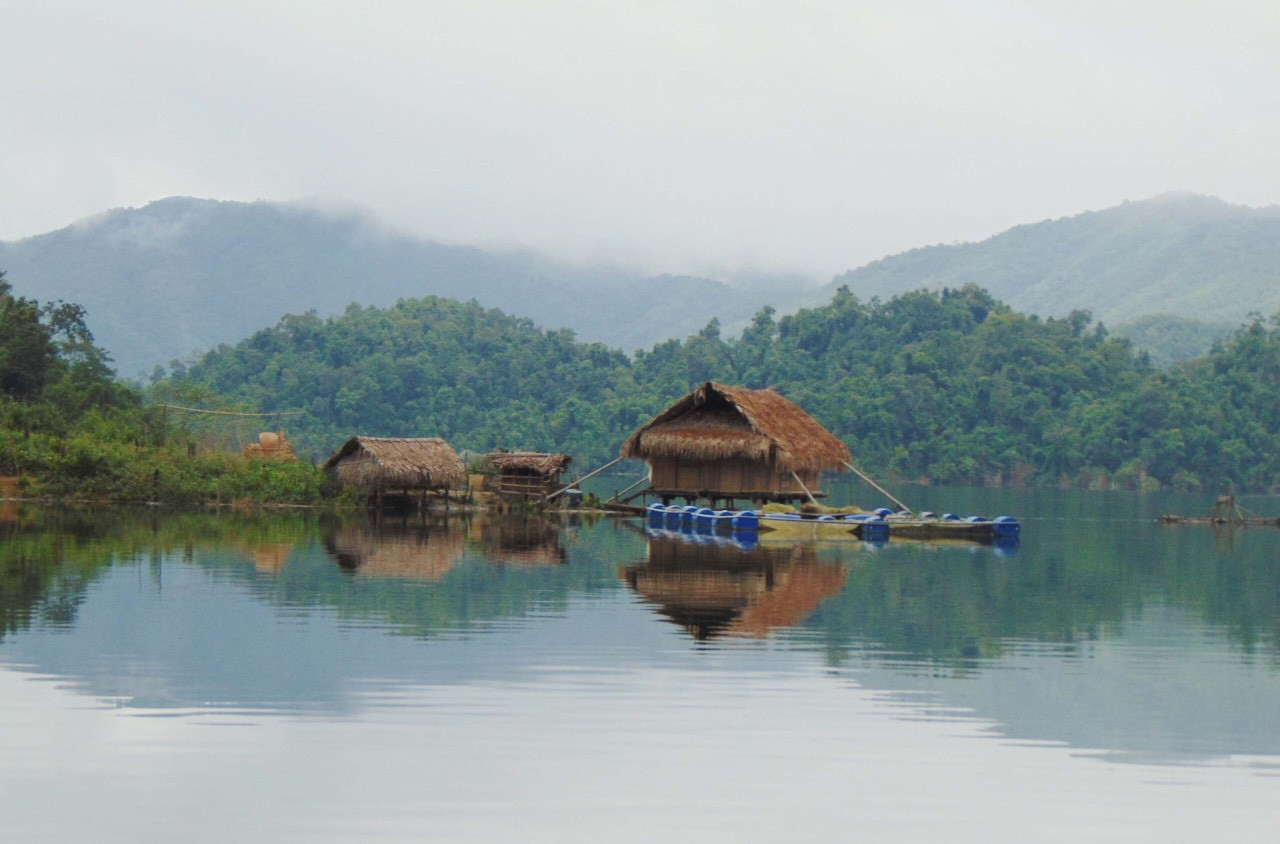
(961, 607)
(954, 606)
(715, 588)
(50, 555)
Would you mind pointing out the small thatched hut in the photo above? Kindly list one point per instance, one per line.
(731, 442)
(526, 475)
(379, 465)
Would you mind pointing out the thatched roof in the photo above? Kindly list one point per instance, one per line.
(717, 422)
(391, 462)
(537, 462)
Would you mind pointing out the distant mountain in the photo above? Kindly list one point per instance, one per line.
(1179, 254)
(182, 275)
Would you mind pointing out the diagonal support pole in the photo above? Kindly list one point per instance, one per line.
(882, 490)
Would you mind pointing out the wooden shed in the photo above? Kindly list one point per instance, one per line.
(379, 465)
(527, 475)
(722, 442)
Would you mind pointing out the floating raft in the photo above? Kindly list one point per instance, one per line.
(861, 525)
(950, 526)
(1225, 511)
(1171, 519)
(877, 526)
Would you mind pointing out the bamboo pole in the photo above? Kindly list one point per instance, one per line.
(583, 478)
(884, 491)
(618, 495)
(805, 488)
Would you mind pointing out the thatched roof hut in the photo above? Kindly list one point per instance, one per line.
(532, 462)
(380, 463)
(527, 474)
(733, 442)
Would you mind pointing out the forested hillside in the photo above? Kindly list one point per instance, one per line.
(183, 275)
(69, 429)
(952, 386)
(1170, 339)
(1182, 255)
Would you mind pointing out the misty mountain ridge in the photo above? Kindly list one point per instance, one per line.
(1182, 255)
(182, 275)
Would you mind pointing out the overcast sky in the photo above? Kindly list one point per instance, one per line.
(709, 137)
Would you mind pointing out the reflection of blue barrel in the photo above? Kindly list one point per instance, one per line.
(1006, 526)
(745, 539)
(1005, 545)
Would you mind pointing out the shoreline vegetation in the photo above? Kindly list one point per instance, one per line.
(946, 387)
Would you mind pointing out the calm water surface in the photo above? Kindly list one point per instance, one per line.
(259, 677)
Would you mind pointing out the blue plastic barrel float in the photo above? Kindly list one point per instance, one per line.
(1006, 526)
(868, 526)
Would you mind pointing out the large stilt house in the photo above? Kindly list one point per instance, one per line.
(728, 443)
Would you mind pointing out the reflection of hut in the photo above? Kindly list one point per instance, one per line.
(379, 465)
(732, 442)
(407, 552)
(526, 475)
(713, 589)
(531, 541)
(270, 446)
(270, 558)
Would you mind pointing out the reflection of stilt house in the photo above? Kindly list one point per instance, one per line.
(527, 475)
(382, 465)
(713, 589)
(728, 443)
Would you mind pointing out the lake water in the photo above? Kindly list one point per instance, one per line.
(259, 677)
